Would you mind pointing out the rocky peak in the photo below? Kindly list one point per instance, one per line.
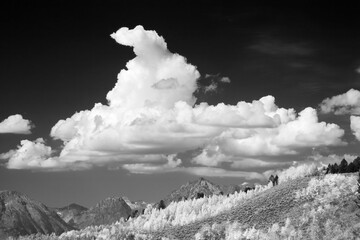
(20, 215)
(193, 189)
(107, 211)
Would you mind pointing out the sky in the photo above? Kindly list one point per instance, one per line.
(116, 98)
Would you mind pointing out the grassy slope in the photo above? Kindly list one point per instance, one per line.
(269, 207)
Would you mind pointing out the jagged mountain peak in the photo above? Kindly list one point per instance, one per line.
(21, 215)
(192, 189)
(106, 211)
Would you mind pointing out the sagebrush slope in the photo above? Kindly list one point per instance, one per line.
(271, 206)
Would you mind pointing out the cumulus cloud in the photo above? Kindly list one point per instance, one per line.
(211, 156)
(346, 103)
(294, 133)
(30, 154)
(153, 63)
(355, 126)
(255, 114)
(16, 124)
(151, 117)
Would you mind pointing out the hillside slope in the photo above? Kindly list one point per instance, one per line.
(20, 215)
(271, 206)
(274, 206)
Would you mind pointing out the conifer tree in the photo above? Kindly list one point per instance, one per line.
(335, 168)
(161, 205)
(356, 162)
(351, 168)
(343, 166)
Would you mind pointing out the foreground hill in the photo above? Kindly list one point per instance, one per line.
(279, 209)
(71, 214)
(271, 206)
(106, 211)
(20, 215)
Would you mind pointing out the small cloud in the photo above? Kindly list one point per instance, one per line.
(210, 157)
(215, 80)
(346, 103)
(210, 88)
(225, 80)
(30, 155)
(16, 124)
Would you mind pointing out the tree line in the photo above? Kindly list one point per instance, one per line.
(344, 166)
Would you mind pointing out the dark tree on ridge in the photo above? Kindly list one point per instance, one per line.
(343, 166)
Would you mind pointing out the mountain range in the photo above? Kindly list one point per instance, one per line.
(20, 215)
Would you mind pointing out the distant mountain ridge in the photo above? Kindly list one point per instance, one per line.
(21, 215)
(198, 187)
(71, 213)
(106, 211)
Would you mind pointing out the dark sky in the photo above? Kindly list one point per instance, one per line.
(57, 58)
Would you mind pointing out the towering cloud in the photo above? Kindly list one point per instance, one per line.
(151, 116)
(16, 124)
(155, 77)
(347, 103)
